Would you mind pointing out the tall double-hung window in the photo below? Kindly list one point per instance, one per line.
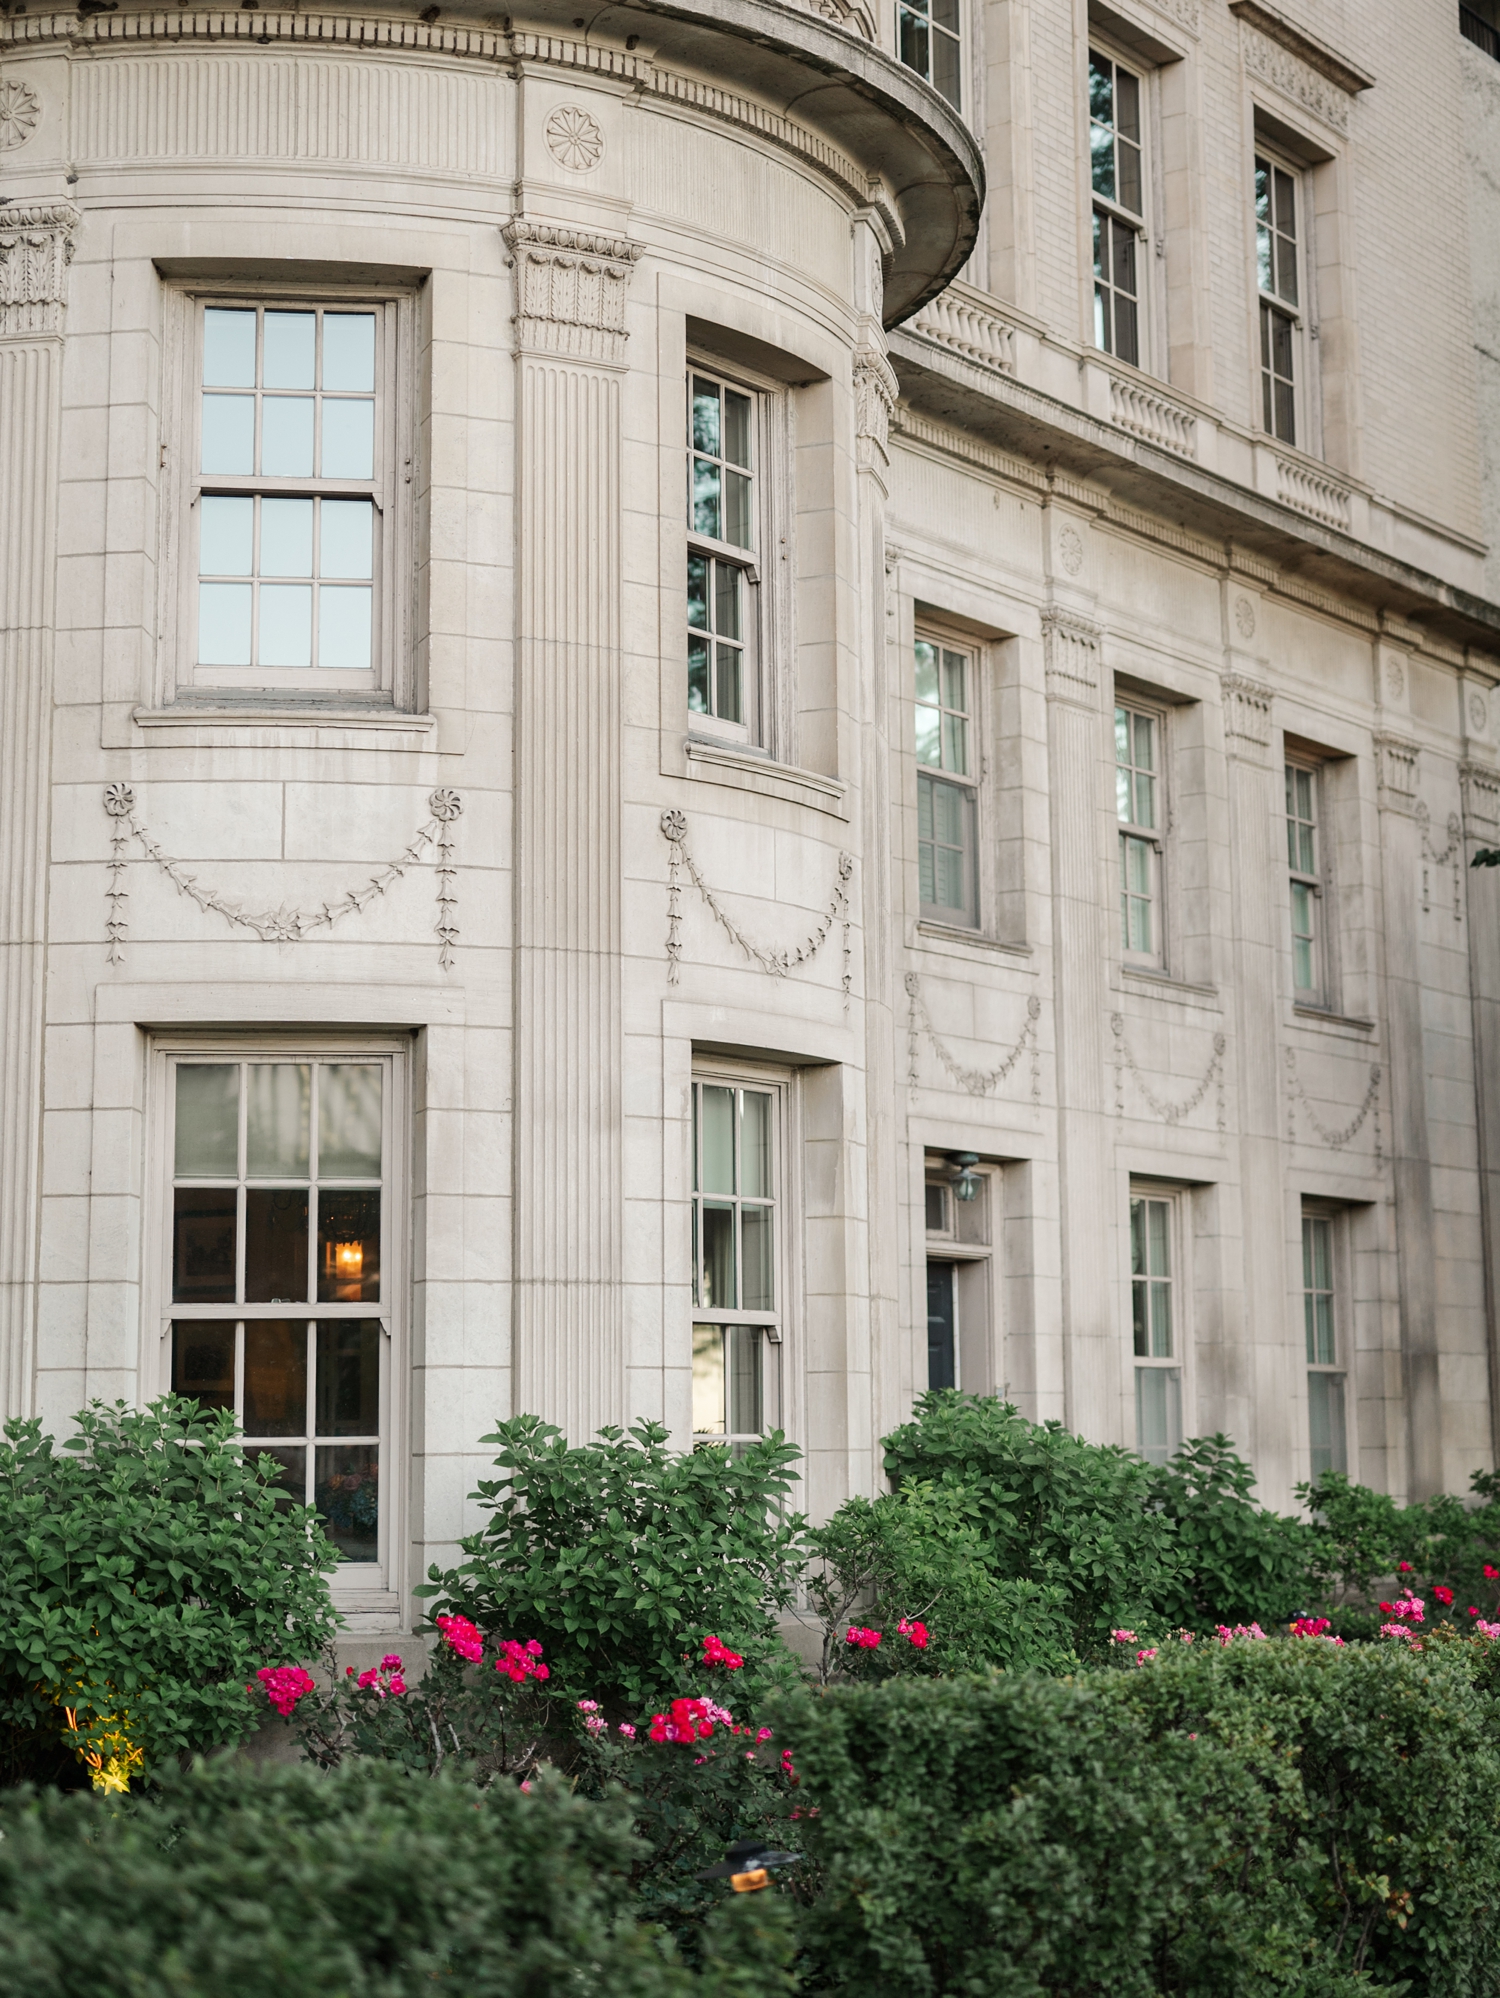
(947, 783)
(1154, 1327)
(1117, 173)
(1278, 267)
(929, 36)
(1304, 844)
(294, 502)
(1327, 1422)
(737, 1265)
(280, 1286)
(723, 576)
(1138, 807)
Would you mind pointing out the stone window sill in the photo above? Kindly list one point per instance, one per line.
(752, 770)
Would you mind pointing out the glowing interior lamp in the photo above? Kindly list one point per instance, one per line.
(348, 1261)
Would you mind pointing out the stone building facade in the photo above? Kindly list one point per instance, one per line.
(716, 709)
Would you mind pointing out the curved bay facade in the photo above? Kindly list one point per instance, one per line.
(713, 711)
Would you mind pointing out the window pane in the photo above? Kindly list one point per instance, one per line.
(1140, 1320)
(292, 1462)
(229, 433)
(717, 1125)
(729, 705)
(708, 1380)
(755, 1246)
(1127, 328)
(349, 1096)
(1158, 1413)
(956, 744)
(203, 1244)
(737, 527)
(347, 1494)
(348, 1247)
(945, 62)
(1161, 1321)
(347, 538)
(955, 682)
(705, 416)
(208, 1120)
(286, 537)
(1128, 168)
(914, 36)
(224, 624)
(718, 1258)
(737, 428)
(697, 591)
(347, 1394)
(226, 536)
(929, 735)
(755, 1144)
(1317, 1243)
(927, 671)
(348, 440)
(276, 1378)
(1286, 415)
(1138, 1238)
(286, 437)
(698, 651)
(1325, 1417)
(349, 350)
(203, 1362)
(228, 347)
(286, 624)
(1128, 106)
(345, 617)
(706, 497)
(744, 1343)
(727, 584)
(289, 344)
(276, 1245)
(937, 1210)
(1158, 1216)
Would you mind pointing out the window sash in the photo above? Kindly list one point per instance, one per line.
(947, 850)
(929, 40)
(1151, 1223)
(294, 622)
(297, 1142)
(1327, 1422)
(1318, 1290)
(737, 1258)
(1305, 879)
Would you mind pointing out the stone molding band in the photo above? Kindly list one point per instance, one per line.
(283, 925)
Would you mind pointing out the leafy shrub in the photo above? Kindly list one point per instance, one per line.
(367, 1884)
(1239, 1563)
(915, 1556)
(1364, 1537)
(1048, 1508)
(1268, 1818)
(621, 1557)
(147, 1569)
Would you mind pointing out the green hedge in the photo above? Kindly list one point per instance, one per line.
(369, 1883)
(1275, 1818)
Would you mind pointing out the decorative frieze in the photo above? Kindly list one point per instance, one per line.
(570, 291)
(1167, 1111)
(36, 245)
(1450, 856)
(777, 962)
(1071, 647)
(1481, 794)
(1297, 64)
(975, 1081)
(1336, 1138)
(283, 925)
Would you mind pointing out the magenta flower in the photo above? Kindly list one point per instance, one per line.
(717, 1653)
(519, 1662)
(862, 1638)
(914, 1632)
(285, 1685)
(462, 1636)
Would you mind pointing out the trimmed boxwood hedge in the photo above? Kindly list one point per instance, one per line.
(1281, 1817)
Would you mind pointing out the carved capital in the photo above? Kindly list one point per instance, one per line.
(36, 245)
(570, 291)
(1395, 771)
(1247, 713)
(875, 391)
(1071, 647)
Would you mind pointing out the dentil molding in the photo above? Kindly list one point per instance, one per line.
(36, 245)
